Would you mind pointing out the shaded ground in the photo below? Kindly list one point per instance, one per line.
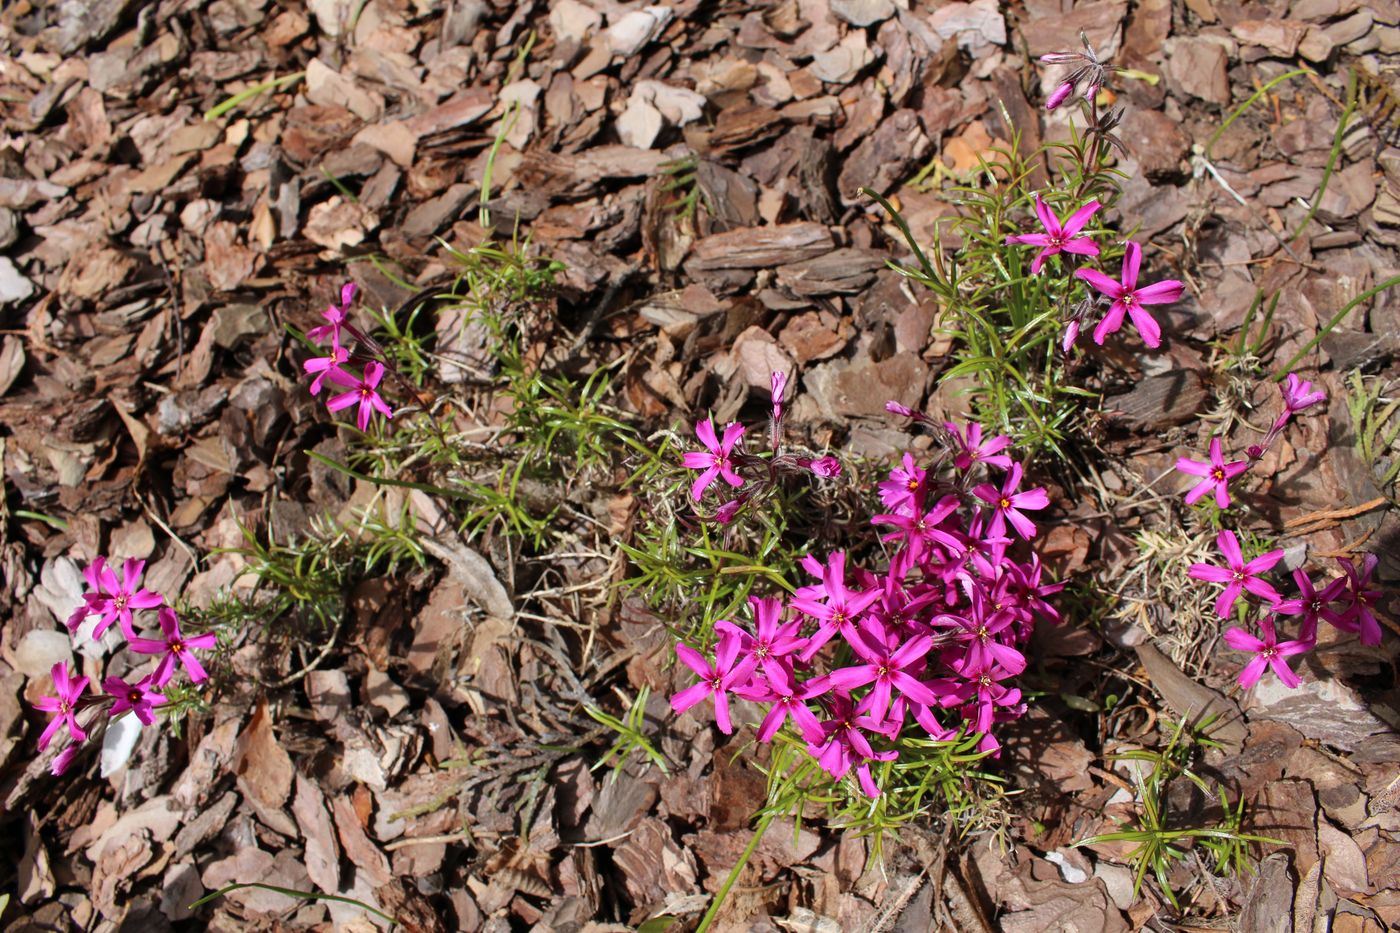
(418, 755)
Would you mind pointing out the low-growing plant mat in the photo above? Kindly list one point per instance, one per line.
(446, 642)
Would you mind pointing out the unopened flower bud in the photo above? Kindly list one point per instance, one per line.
(825, 467)
(1060, 95)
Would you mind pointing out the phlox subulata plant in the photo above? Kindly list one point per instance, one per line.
(912, 634)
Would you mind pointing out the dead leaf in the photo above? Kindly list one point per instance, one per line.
(263, 767)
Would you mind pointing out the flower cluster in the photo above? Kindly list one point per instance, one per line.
(1125, 298)
(1215, 473)
(115, 599)
(1345, 603)
(858, 657)
(362, 390)
(724, 458)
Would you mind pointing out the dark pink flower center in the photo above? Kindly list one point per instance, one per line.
(1218, 475)
(176, 646)
(133, 696)
(1004, 503)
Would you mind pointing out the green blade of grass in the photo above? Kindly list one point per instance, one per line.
(247, 94)
(292, 892)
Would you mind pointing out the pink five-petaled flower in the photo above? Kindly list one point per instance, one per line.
(716, 680)
(1007, 502)
(1359, 617)
(140, 698)
(972, 449)
(772, 641)
(918, 531)
(1059, 237)
(70, 690)
(1237, 575)
(884, 667)
(1312, 604)
(715, 458)
(844, 745)
(174, 648)
(1215, 474)
(323, 365)
(904, 487)
(114, 599)
(364, 391)
(335, 316)
(840, 610)
(1128, 298)
(1267, 651)
(789, 698)
(1297, 395)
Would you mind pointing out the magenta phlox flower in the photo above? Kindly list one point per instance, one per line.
(981, 692)
(174, 648)
(772, 641)
(716, 680)
(903, 707)
(899, 607)
(140, 698)
(1238, 575)
(905, 486)
(919, 532)
(1007, 504)
(335, 316)
(1360, 616)
(888, 670)
(1313, 604)
(364, 391)
(1033, 593)
(714, 460)
(844, 745)
(115, 599)
(323, 365)
(972, 449)
(983, 644)
(1298, 394)
(1268, 652)
(69, 690)
(836, 608)
(789, 700)
(1058, 237)
(1129, 299)
(1215, 474)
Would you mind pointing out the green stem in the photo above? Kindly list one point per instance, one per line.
(1352, 101)
(1239, 111)
(292, 892)
(723, 892)
(1331, 325)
